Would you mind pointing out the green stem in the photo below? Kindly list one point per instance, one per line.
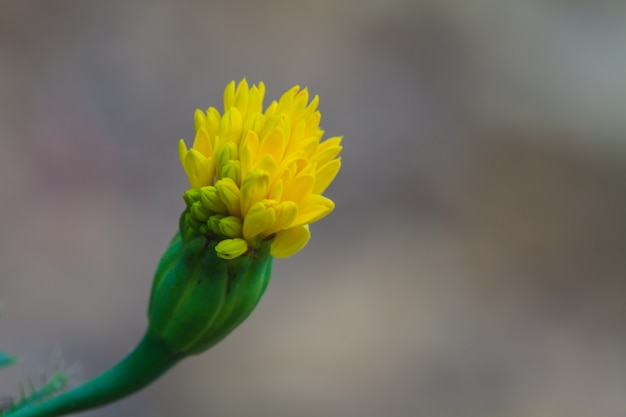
(149, 360)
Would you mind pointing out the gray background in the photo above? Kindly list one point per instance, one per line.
(475, 264)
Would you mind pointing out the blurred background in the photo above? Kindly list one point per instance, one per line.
(475, 264)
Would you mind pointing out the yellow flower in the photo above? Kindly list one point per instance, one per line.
(258, 174)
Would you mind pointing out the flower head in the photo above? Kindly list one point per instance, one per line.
(258, 174)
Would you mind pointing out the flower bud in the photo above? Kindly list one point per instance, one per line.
(199, 297)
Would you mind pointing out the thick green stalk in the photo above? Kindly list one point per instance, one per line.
(149, 360)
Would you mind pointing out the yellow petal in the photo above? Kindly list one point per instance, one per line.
(199, 119)
(299, 103)
(198, 169)
(329, 143)
(289, 241)
(296, 135)
(247, 152)
(254, 188)
(313, 209)
(229, 95)
(271, 109)
(286, 214)
(325, 175)
(276, 191)
(229, 193)
(182, 151)
(312, 125)
(255, 98)
(309, 145)
(255, 122)
(231, 248)
(231, 126)
(311, 108)
(258, 219)
(326, 151)
(213, 119)
(274, 144)
(241, 97)
(299, 188)
(202, 143)
(268, 165)
(287, 98)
